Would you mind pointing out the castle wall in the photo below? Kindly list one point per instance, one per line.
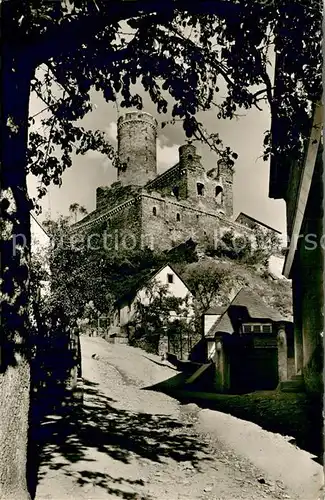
(114, 195)
(172, 182)
(253, 224)
(167, 223)
(160, 223)
(143, 209)
(124, 228)
(117, 230)
(226, 180)
(207, 199)
(193, 184)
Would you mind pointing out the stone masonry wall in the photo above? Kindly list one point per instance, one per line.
(225, 177)
(111, 196)
(197, 178)
(124, 227)
(167, 223)
(186, 176)
(137, 133)
(117, 230)
(173, 183)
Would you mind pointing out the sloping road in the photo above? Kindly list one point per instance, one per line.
(134, 444)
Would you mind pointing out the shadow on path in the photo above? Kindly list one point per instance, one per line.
(72, 433)
(161, 364)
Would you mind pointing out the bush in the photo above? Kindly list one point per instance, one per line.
(251, 250)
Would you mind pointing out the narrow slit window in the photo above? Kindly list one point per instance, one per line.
(178, 217)
(154, 211)
(170, 278)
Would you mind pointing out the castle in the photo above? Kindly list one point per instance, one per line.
(161, 211)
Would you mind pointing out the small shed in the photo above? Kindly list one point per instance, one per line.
(253, 345)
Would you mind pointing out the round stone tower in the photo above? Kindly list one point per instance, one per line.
(137, 136)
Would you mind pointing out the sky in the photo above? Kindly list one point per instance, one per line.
(244, 135)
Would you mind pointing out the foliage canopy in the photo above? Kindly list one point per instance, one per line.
(180, 54)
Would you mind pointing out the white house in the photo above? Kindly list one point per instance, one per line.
(211, 316)
(125, 307)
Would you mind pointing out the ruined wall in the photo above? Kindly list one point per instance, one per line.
(201, 188)
(112, 196)
(172, 182)
(137, 134)
(225, 177)
(158, 222)
(188, 180)
(167, 223)
(173, 222)
(119, 229)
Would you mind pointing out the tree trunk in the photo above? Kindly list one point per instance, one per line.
(14, 364)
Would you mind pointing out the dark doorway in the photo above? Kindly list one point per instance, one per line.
(253, 369)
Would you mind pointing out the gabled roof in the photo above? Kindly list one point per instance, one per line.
(215, 310)
(245, 306)
(150, 276)
(257, 222)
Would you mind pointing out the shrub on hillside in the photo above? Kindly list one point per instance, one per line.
(250, 250)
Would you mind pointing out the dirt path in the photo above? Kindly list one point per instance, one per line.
(129, 443)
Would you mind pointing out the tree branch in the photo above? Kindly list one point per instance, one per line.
(78, 29)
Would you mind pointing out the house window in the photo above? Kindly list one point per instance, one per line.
(257, 328)
(200, 188)
(178, 217)
(154, 211)
(170, 278)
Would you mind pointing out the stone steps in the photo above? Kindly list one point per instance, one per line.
(295, 384)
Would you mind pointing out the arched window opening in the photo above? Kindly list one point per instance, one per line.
(190, 157)
(154, 211)
(200, 188)
(218, 194)
(178, 217)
